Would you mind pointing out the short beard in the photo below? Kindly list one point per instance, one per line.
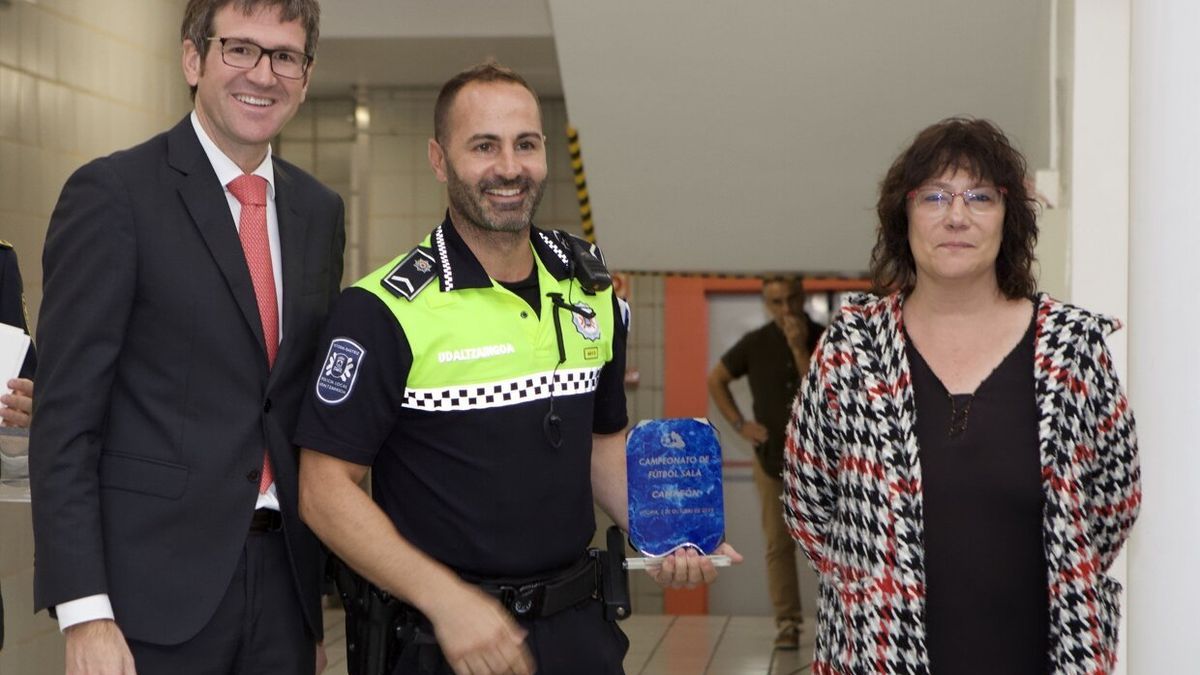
(468, 201)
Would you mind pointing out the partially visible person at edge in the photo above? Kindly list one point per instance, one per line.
(16, 406)
(18, 402)
(457, 371)
(186, 282)
(774, 357)
(961, 465)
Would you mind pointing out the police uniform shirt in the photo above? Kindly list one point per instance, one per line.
(482, 490)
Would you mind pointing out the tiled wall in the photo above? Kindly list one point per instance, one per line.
(78, 79)
(320, 139)
(644, 354)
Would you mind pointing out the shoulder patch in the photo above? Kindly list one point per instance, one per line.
(340, 370)
(585, 321)
(411, 275)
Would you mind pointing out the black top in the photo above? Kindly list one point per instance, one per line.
(987, 599)
(764, 355)
(527, 290)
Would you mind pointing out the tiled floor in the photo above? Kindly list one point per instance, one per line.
(669, 645)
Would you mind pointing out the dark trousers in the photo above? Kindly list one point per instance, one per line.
(576, 641)
(258, 629)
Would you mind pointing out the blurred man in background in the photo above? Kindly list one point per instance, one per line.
(775, 358)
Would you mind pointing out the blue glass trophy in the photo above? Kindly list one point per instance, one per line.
(675, 493)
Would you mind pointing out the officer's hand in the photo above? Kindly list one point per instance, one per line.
(98, 648)
(686, 568)
(18, 403)
(478, 637)
(753, 432)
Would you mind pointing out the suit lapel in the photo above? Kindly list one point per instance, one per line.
(205, 200)
(293, 230)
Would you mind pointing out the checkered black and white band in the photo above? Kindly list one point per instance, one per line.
(503, 393)
(546, 239)
(439, 242)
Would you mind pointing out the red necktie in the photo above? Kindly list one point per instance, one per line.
(251, 192)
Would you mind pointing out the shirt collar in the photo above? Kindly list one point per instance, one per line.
(225, 168)
(461, 269)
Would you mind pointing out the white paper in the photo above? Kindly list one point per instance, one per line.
(14, 344)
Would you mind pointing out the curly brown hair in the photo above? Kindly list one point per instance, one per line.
(979, 148)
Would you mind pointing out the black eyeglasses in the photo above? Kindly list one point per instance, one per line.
(244, 54)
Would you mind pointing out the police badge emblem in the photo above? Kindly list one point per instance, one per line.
(411, 275)
(340, 370)
(586, 322)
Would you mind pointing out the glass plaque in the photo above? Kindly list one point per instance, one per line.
(675, 491)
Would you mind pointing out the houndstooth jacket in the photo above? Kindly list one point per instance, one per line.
(853, 489)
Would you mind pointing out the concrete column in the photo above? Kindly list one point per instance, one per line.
(1098, 187)
(1164, 584)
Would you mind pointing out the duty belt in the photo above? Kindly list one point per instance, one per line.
(546, 597)
(380, 630)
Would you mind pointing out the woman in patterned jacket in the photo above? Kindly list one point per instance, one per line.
(961, 467)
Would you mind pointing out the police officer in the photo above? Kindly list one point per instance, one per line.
(18, 402)
(481, 378)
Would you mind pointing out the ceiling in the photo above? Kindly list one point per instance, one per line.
(422, 43)
(427, 62)
(762, 124)
(751, 135)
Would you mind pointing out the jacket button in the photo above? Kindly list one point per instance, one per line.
(254, 475)
(267, 406)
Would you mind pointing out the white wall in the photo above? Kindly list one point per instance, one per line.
(1098, 177)
(1164, 237)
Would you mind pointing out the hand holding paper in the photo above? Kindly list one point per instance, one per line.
(14, 344)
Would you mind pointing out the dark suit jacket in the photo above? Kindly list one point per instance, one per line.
(154, 398)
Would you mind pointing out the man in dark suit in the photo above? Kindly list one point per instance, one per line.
(185, 282)
(16, 405)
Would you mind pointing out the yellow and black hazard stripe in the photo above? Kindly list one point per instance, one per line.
(581, 189)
